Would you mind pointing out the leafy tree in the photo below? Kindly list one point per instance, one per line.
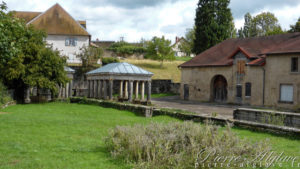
(296, 27)
(89, 57)
(159, 49)
(187, 45)
(264, 24)
(123, 48)
(213, 24)
(25, 59)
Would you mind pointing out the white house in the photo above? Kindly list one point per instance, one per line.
(176, 48)
(65, 34)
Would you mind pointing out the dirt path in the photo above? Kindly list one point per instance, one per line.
(175, 102)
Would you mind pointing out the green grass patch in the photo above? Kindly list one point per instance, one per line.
(63, 135)
(183, 58)
(168, 71)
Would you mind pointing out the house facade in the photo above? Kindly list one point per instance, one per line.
(65, 34)
(260, 71)
(176, 48)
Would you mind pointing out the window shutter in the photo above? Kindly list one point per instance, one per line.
(286, 93)
(67, 42)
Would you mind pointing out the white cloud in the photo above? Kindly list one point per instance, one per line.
(136, 19)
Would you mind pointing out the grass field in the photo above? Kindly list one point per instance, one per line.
(62, 135)
(168, 71)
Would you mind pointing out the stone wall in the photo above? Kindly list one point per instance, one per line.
(148, 111)
(165, 86)
(268, 117)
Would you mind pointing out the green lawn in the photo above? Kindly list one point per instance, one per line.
(62, 135)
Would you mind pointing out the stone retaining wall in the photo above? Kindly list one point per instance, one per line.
(148, 111)
(268, 117)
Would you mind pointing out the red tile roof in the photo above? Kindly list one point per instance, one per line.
(255, 49)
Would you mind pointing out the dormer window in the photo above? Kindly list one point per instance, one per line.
(71, 41)
(294, 64)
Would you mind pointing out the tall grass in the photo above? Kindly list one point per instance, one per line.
(177, 145)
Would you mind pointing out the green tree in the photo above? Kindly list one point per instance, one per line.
(25, 59)
(296, 27)
(89, 57)
(187, 45)
(263, 24)
(159, 49)
(213, 24)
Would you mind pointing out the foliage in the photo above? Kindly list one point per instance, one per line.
(4, 97)
(263, 24)
(89, 57)
(122, 48)
(177, 145)
(296, 27)
(187, 44)
(159, 49)
(108, 60)
(213, 24)
(25, 59)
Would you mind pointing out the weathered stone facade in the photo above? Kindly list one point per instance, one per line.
(265, 82)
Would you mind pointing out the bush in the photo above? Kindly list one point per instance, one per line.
(4, 97)
(177, 145)
(108, 60)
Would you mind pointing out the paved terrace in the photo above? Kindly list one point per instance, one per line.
(174, 102)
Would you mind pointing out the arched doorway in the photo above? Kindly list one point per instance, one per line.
(219, 89)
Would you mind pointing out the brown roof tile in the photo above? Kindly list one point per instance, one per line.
(55, 21)
(27, 16)
(222, 53)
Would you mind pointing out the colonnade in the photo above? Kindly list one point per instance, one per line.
(65, 92)
(103, 89)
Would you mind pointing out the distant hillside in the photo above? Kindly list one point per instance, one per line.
(168, 71)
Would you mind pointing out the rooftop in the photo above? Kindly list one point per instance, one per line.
(122, 68)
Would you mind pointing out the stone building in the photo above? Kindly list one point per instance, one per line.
(65, 34)
(262, 71)
(131, 81)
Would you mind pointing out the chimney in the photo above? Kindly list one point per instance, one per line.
(177, 39)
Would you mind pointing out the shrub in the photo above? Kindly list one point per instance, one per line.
(4, 97)
(108, 60)
(177, 145)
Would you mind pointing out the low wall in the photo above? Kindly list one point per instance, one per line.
(165, 86)
(268, 117)
(148, 111)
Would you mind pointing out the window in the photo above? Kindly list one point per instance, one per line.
(71, 42)
(294, 64)
(239, 91)
(248, 90)
(241, 66)
(286, 93)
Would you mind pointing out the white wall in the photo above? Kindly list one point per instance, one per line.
(58, 42)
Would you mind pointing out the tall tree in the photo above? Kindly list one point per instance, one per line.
(263, 24)
(296, 27)
(25, 59)
(159, 49)
(213, 24)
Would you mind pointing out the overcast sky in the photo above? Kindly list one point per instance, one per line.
(136, 19)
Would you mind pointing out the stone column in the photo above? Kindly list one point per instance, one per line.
(130, 91)
(70, 88)
(27, 95)
(121, 89)
(67, 90)
(126, 90)
(88, 88)
(136, 90)
(104, 90)
(92, 88)
(111, 85)
(99, 89)
(149, 92)
(64, 92)
(95, 88)
(143, 91)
